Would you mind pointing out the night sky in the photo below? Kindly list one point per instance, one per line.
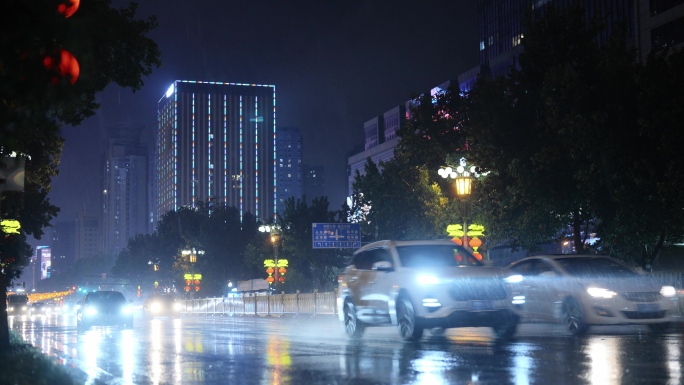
(335, 65)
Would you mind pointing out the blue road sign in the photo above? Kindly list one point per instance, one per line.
(336, 235)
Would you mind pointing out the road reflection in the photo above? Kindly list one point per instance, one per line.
(265, 352)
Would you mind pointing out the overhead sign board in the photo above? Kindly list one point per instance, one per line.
(336, 235)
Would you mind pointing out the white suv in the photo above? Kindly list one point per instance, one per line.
(419, 285)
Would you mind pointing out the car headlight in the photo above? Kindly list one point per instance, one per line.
(11, 308)
(599, 292)
(128, 309)
(668, 291)
(155, 307)
(24, 308)
(177, 306)
(90, 311)
(514, 278)
(428, 280)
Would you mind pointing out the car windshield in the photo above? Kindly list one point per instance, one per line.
(595, 267)
(106, 297)
(435, 256)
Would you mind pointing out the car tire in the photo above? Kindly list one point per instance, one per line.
(660, 327)
(573, 317)
(409, 326)
(507, 328)
(353, 328)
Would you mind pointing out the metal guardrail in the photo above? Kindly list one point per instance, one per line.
(274, 304)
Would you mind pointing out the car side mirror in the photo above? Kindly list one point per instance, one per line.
(382, 266)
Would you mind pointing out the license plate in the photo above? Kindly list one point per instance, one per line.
(481, 305)
(646, 307)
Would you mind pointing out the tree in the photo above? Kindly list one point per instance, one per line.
(543, 130)
(52, 64)
(318, 267)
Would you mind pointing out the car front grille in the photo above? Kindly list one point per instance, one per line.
(642, 296)
(478, 289)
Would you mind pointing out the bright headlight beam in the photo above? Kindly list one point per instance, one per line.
(428, 280)
(514, 278)
(668, 291)
(599, 292)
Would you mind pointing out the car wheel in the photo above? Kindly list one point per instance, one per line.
(409, 329)
(660, 327)
(352, 326)
(507, 328)
(573, 317)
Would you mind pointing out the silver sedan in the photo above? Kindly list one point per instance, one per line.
(585, 290)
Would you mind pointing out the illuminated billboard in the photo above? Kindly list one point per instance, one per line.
(44, 254)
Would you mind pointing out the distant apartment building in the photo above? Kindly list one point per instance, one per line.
(661, 25)
(63, 246)
(88, 236)
(216, 142)
(314, 182)
(381, 139)
(124, 190)
(289, 161)
(650, 25)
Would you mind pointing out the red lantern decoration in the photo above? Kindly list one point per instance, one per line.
(187, 288)
(475, 242)
(270, 279)
(68, 10)
(477, 255)
(457, 241)
(270, 270)
(197, 288)
(282, 270)
(281, 279)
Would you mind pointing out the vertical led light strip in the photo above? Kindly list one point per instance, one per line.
(192, 181)
(241, 158)
(175, 148)
(225, 152)
(275, 157)
(209, 140)
(256, 156)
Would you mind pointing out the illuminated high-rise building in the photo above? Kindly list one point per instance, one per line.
(216, 143)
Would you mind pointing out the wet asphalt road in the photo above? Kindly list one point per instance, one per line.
(313, 350)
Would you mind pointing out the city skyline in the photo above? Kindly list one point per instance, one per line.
(334, 66)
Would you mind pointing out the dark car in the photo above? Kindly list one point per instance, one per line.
(104, 308)
(39, 309)
(162, 305)
(17, 304)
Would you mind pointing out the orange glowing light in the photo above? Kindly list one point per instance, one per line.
(270, 270)
(282, 270)
(69, 65)
(68, 10)
(270, 279)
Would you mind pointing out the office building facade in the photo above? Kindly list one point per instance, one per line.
(216, 143)
(63, 246)
(289, 171)
(124, 190)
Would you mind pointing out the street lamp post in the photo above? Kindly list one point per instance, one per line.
(274, 231)
(461, 188)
